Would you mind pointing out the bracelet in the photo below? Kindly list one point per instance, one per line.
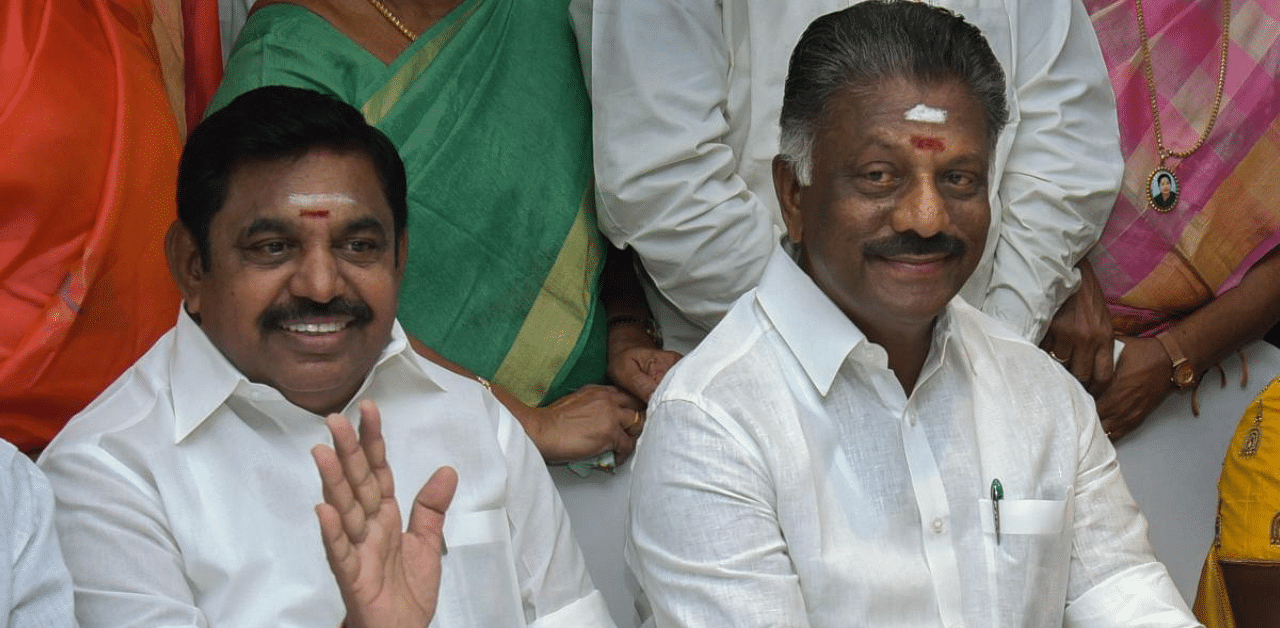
(649, 325)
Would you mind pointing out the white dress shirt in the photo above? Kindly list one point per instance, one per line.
(35, 589)
(186, 497)
(685, 102)
(785, 479)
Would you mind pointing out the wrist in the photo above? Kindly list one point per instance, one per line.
(631, 330)
(1184, 374)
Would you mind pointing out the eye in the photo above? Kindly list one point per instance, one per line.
(271, 251)
(361, 249)
(962, 182)
(877, 179)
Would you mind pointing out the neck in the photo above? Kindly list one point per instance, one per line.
(908, 347)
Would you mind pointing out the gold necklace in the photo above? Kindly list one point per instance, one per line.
(395, 21)
(1156, 196)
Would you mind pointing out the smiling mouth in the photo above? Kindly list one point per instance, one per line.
(316, 328)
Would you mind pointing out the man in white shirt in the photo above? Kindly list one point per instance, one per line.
(855, 446)
(685, 101)
(185, 492)
(35, 589)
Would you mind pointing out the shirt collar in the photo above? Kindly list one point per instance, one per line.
(812, 326)
(201, 379)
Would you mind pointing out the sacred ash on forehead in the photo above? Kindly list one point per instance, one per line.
(925, 113)
(311, 200)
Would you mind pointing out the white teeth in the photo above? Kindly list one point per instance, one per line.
(315, 328)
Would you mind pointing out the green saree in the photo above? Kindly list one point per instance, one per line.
(490, 114)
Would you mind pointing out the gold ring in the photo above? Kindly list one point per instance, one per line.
(635, 421)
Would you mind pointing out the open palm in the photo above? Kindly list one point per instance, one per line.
(389, 576)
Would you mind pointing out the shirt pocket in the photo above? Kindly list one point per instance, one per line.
(478, 584)
(1029, 563)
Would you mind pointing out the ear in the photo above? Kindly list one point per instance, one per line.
(184, 264)
(788, 188)
(402, 255)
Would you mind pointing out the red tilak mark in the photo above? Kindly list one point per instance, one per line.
(314, 213)
(928, 143)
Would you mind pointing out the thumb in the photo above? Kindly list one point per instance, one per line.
(426, 519)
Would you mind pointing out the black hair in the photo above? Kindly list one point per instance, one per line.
(872, 42)
(276, 123)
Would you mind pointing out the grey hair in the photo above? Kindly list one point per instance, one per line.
(875, 41)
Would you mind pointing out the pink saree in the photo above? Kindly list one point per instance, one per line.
(1156, 268)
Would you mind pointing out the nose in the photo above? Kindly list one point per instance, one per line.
(318, 276)
(923, 210)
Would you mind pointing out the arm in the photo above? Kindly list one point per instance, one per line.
(39, 590)
(587, 422)
(1143, 374)
(668, 182)
(389, 577)
(637, 361)
(1114, 578)
(126, 566)
(705, 541)
(552, 576)
(1080, 334)
(1064, 166)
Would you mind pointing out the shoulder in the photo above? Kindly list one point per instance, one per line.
(132, 419)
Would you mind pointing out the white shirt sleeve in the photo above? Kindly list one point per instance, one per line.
(36, 588)
(705, 541)
(667, 180)
(1115, 579)
(129, 570)
(552, 575)
(1064, 167)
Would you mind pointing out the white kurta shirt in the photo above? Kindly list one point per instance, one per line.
(785, 479)
(686, 96)
(35, 589)
(186, 497)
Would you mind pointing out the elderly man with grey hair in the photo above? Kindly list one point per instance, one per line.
(855, 446)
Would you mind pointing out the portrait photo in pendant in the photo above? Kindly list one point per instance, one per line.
(1162, 189)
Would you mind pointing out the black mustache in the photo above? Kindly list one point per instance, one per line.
(910, 243)
(275, 316)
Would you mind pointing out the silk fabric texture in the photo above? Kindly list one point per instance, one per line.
(88, 178)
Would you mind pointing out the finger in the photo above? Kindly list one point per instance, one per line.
(623, 447)
(355, 464)
(375, 448)
(1104, 369)
(633, 426)
(426, 519)
(337, 492)
(1081, 367)
(344, 562)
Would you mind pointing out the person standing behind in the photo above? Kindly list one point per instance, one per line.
(1192, 281)
(685, 100)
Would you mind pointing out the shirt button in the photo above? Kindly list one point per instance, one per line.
(937, 525)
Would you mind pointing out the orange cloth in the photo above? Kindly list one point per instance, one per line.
(87, 178)
(202, 56)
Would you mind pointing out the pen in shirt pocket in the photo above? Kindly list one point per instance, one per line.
(997, 494)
